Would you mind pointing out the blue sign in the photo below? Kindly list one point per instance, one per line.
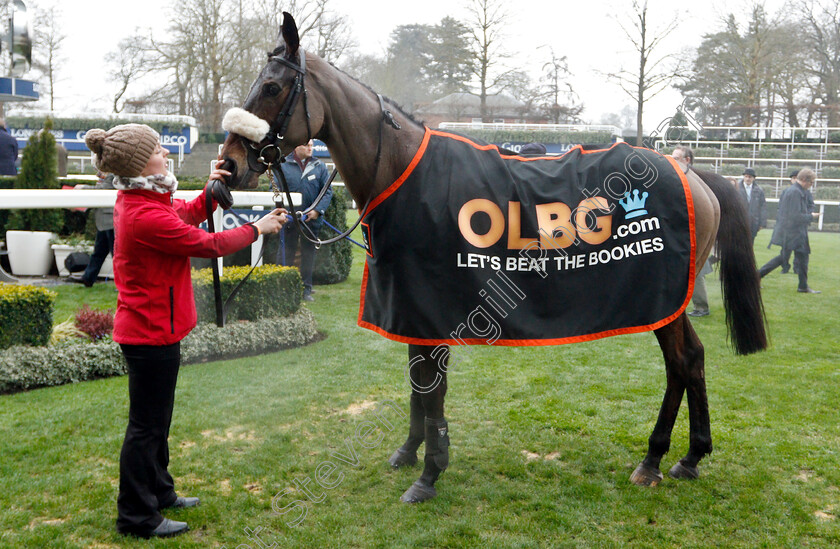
(550, 148)
(14, 89)
(74, 140)
(319, 149)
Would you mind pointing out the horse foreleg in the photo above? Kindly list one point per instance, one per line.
(670, 341)
(427, 374)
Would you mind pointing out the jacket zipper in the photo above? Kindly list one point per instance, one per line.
(172, 308)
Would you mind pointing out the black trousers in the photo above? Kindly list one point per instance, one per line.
(102, 246)
(307, 250)
(145, 483)
(800, 263)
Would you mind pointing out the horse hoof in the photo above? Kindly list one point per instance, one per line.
(418, 493)
(680, 470)
(646, 476)
(400, 459)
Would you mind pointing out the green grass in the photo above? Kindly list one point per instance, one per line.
(71, 298)
(245, 430)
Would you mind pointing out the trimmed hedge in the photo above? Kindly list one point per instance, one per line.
(25, 315)
(37, 122)
(271, 290)
(24, 367)
(541, 136)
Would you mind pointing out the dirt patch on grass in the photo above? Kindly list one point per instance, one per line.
(357, 408)
(231, 434)
(224, 487)
(530, 456)
(44, 521)
(253, 487)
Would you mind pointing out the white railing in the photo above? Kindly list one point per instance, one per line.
(822, 204)
(100, 198)
(759, 141)
(12, 199)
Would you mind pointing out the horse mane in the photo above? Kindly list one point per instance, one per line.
(282, 49)
(384, 97)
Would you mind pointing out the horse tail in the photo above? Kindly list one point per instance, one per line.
(739, 280)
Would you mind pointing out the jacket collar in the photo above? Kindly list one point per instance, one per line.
(163, 198)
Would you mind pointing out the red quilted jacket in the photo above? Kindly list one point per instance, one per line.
(155, 238)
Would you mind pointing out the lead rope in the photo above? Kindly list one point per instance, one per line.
(223, 306)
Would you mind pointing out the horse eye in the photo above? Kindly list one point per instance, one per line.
(271, 89)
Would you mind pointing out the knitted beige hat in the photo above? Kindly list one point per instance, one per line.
(123, 150)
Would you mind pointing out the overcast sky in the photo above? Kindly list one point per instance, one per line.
(587, 32)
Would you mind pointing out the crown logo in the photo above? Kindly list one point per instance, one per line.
(635, 206)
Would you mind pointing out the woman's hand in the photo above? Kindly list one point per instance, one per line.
(272, 222)
(219, 173)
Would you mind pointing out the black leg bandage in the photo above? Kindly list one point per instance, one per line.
(437, 442)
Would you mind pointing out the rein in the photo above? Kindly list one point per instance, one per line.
(277, 175)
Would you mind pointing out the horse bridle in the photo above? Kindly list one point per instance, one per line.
(267, 155)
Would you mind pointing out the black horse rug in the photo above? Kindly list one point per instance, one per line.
(470, 246)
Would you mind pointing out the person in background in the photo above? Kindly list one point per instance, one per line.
(8, 151)
(699, 299)
(532, 149)
(307, 175)
(794, 218)
(683, 154)
(753, 197)
(777, 237)
(155, 237)
(104, 242)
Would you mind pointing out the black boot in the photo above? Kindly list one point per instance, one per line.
(407, 453)
(436, 462)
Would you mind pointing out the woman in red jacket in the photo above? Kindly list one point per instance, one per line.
(155, 236)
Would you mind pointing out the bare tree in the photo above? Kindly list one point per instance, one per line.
(486, 22)
(655, 72)
(129, 62)
(211, 52)
(46, 48)
(556, 88)
(822, 35)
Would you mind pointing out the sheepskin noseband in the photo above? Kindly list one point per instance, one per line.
(246, 124)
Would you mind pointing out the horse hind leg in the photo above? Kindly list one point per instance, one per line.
(427, 374)
(406, 455)
(684, 366)
(648, 473)
(700, 433)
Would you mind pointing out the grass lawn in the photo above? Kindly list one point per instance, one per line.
(543, 441)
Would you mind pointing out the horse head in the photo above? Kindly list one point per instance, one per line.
(275, 117)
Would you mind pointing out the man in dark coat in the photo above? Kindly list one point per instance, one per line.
(307, 175)
(8, 151)
(794, 217)
(753, 197)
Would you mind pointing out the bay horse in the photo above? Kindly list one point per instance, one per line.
(372, 142)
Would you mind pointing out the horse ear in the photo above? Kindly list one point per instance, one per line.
(289, 35)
